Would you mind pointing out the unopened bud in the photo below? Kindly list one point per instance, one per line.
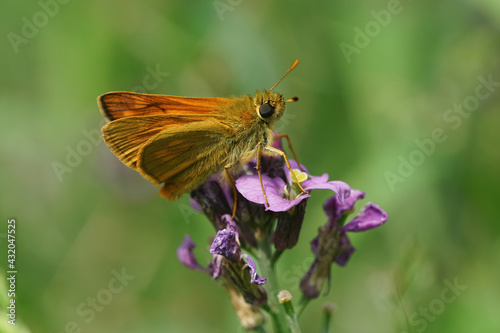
(330, 308)
(284, 296)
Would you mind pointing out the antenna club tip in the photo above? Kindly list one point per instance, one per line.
(295, 63)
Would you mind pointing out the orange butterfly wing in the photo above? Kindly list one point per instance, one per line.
(117, 105)
(135, 119)
(168, 139)
(126, 136)
(184, 156)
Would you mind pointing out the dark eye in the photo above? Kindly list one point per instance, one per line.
(266, 110)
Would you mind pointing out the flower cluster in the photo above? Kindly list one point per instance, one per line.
(264, 231)
(332, 244)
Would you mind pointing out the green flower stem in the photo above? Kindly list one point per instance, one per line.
(274, 318)
(277, 313)
(291, 316)
(328, 310)
(326, 322)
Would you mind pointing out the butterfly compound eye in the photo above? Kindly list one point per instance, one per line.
(266, 110)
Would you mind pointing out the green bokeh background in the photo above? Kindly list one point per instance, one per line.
(356, 118)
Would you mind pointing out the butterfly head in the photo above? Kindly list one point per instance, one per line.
(269, 105)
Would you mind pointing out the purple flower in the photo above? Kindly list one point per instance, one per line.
(237, 270)
(332, 244)
(246, 303)
(226, 244)
(256, 223)
(286, 199)
(215, 199)
(283, 195)
(226, 241)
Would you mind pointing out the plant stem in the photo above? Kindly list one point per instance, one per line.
(328, 310)
(274, 318)
(291, 315)
(276, 312)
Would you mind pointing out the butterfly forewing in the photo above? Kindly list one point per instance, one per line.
(134, 118)
(117, 105)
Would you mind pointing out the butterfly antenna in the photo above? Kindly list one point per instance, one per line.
(295, 63)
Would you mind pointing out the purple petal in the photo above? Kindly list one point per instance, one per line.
(231, 224)
(311, 284)
(344, 256)
(226, 243)
(195, 204)
(370, 216)
(254, 277)
(316, 180)
(279, 204)
(249, 187)
(216, 266)
(186, 256)
(341, 189)
(315, 245)
(334, 209)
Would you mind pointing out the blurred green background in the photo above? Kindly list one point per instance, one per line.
(367, 99)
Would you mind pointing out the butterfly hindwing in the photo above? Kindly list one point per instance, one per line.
(183, 156)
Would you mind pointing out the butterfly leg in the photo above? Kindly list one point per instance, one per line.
(233, 184)
(259, 158)
(274, 151)
(283, 135)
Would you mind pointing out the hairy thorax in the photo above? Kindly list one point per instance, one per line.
(245, 144)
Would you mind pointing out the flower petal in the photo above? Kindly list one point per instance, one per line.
(249, 187)
(216, 266)
(279, 204)
(370, 216)
(334, 209)
(226, 242)
(344, 256)
(315, 245)
(311, 283)
(254, 277)
(341, 189)
(316, 180)
(186, 256)
(195, 204)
